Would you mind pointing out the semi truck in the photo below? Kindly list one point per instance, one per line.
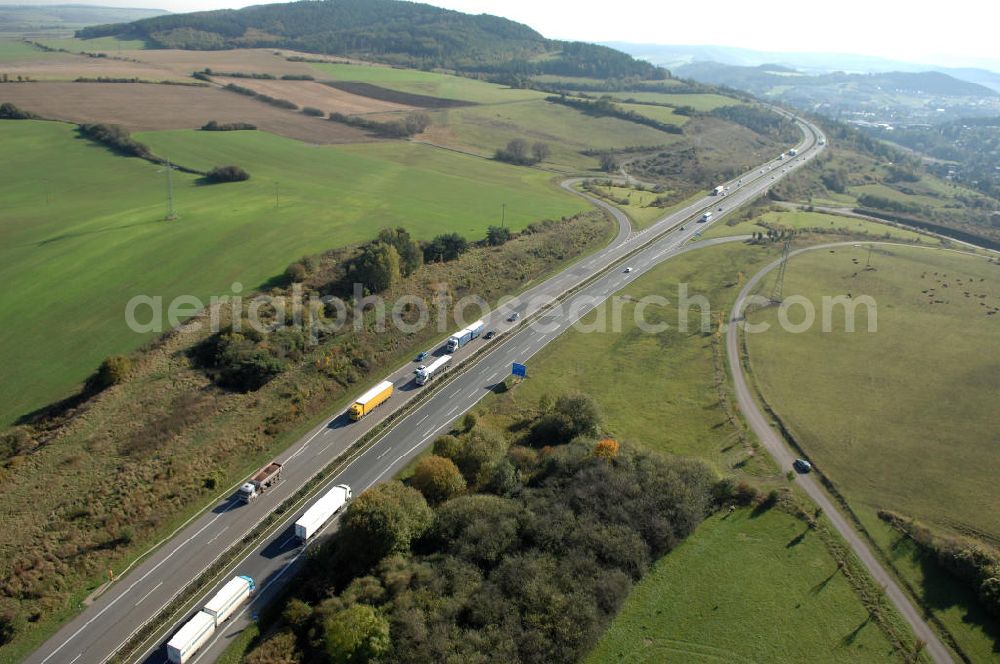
(199, 629)
(464, 336)
(705, 217)
(368, 401)
(719, 191)
(792, 152)
(262, 480)
(316, 516)
(438, 366)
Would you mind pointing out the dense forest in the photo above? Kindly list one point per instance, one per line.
(388, 30)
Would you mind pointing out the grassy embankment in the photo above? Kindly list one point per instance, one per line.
(80, 240)
(669, 391)
(903, 418)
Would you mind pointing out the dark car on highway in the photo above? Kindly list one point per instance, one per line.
(490, 334)
(421, 356)
(513, 317)
(802, 465)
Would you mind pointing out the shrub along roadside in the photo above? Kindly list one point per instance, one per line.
(530, 565)
(972, 563)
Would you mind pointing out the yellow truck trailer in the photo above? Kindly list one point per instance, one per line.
(370, 399)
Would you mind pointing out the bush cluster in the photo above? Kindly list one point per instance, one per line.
(9, 111)
(117, 138)
(529, 568)
(227, 174)
(212, 125)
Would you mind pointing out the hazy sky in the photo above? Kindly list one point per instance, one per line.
(949, 33)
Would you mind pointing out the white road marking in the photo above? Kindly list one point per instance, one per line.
(149, 593)
(422, 419)
(287, 540)
(384, 453)
(75, 658)
(217, 535)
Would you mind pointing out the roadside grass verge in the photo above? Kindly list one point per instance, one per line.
(816, 222)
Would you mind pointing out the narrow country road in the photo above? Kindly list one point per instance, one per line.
(784, 455)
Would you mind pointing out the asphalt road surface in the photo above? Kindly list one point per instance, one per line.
(142, 593)
(784, 455)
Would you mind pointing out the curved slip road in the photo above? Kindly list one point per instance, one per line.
(144, 592)
(784, 456)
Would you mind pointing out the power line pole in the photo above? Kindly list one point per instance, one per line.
(503, 214)
(171, 214)
(777, 292)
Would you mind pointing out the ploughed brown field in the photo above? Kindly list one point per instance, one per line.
(149, 107)
(317, 95)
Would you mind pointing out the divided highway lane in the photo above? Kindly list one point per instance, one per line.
(103, 627)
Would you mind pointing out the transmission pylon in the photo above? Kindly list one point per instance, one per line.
(171, 214)
(779, 282)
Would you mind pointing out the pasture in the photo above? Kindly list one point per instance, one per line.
(744, 588)
(432, 84)
(80, 238)
(903, 418)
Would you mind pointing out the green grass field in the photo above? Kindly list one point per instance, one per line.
(658, 113)
(898, 418)
(815, 222)
(433, 84)
(657, 390)
(700, 102)
(744, 589)
(901, 418)
(77, 242)
(640, 210)
(15, 50)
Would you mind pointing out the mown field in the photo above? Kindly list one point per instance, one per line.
(732, 590)
(903, 418)
(79, 240)
(433, 84)
(745, 588)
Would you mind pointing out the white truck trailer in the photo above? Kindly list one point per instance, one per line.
(719, 191)
(705, 217)
(190, 637)
(464, 336)
(316, 516)
(227, 600)
(438, 366)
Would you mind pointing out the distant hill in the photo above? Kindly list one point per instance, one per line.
(48, 19)
(764, 79)
(675, 56)
(387, 30)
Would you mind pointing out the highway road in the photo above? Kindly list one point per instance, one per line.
(141, 594)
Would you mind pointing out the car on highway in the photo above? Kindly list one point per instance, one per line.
(490, 334)
(720, 209)
(627, 270)
(513, 317)
(802, 465)
(421, 356)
